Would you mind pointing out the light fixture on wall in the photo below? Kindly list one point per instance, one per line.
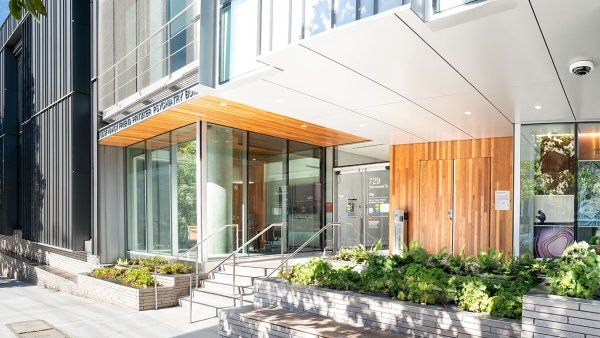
(468, 113)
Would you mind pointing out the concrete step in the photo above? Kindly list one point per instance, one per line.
(227, 278)
(215, 287)
(254, 271)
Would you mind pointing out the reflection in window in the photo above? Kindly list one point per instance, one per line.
(547, 189)
(159, 203)
(588, 181)
(304, 194)
(317, 15)
(161, 193)
(266, 190)
(136, 197)
(239, 38)
(226, 152)
(384, 5)
(345, 11)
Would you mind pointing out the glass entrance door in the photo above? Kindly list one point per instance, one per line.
(363, 206)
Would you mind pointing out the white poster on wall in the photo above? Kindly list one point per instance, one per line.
(502, 200)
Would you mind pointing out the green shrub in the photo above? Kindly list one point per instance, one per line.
(138, 277)
(577, 273)
(474, 294)
(358, 254)
(149, 263)
(342, 277)
(108, 272)
(314, 272)
(381, 275)
(173, 269)
(424, 285)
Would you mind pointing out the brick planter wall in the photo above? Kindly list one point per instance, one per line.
(382, 313)
(72, 261)
(556, 316)
(136, 298)
(180, 283)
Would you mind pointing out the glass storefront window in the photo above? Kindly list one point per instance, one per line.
(225, 159)
(304, 194)
(136, 197)
(267, 200)
(252, 180)
(547, 223)
(161, 193)
(588, 181)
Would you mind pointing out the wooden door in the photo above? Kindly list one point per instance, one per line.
(435, 200)
(472, 199)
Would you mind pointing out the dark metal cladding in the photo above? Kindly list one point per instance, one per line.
(56, 133)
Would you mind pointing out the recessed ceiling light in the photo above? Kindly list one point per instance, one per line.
(303, 126)
(361, 125)
(223, 104)
(537, 107)
(280, 100)
(468, 113)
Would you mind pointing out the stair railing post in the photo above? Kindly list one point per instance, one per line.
(191, 298)
(235, 261)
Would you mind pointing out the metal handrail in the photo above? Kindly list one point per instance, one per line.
(234, 254)
(195, 273)
(246, 244)
(284, 262)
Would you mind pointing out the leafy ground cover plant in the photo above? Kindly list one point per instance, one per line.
(577, 273)
(136, 277)
(488, 282)
(359, 254)
(424, 285)
(173, 269)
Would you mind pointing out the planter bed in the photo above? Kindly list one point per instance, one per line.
(382, 313)
(546, 314)
(179, 283)
(118, 293)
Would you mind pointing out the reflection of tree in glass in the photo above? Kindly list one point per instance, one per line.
(321, 16)
(186, 194)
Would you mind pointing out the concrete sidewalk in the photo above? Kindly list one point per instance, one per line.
(81, 317)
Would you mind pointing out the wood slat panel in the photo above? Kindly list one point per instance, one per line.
(405, 181)
(472, 204)
(228, 113)
(435, 186)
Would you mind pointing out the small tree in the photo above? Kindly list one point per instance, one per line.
(35, 7)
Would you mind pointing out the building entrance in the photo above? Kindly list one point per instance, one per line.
(363, 205)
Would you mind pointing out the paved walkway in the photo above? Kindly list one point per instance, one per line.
(81, 317)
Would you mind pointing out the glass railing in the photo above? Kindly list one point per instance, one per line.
(253, 27)
(165, 51)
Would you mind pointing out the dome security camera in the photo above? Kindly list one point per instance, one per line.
(581, 68)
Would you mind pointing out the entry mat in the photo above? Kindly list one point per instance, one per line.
(35, 328)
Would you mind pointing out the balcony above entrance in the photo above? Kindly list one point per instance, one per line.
(188, 106)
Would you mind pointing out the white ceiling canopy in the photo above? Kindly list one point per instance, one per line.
(395, 79)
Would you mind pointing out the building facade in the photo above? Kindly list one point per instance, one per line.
(141, 127)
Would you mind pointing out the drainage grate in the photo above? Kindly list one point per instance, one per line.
(35, 328)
